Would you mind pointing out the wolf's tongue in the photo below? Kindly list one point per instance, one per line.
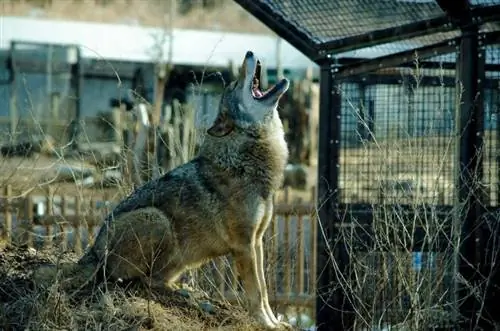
(257, 92)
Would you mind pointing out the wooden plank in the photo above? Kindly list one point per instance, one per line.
(286, 209)
(287, 256)
(299, 267)
(71, 220)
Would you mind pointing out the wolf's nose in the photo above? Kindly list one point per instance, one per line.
(249, 54)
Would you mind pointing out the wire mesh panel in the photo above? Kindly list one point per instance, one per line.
(397, 137)
(484, 3)
(491, 157)
(351, 17)
(397, 154)
(42, 97)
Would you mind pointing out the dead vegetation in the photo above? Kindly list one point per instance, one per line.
(27, 305)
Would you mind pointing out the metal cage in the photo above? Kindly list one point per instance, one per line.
(409, 131)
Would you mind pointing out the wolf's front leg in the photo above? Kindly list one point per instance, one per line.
(262, 280)
(259, 248)
(246, 263)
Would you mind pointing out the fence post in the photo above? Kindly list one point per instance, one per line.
(469, 127)
(27, 225)
(49, 226)
(62, 226)
(8, 215)
(77, 225)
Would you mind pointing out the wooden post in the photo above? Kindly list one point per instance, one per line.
(64, 236)
(8, 215)
(117, 114)
(76, 226)
(28, 225)
(49, 226)
(90, 225)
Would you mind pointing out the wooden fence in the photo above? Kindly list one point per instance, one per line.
(71, 222)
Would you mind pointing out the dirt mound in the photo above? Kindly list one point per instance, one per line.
(25, 305)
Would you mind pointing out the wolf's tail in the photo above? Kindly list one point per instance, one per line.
(70, 275)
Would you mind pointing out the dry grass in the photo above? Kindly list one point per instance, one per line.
(228, 17)
(28, 305)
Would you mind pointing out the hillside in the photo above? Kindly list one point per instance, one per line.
(58, 305)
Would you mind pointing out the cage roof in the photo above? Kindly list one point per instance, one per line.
(323, 28)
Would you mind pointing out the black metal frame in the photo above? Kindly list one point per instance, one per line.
(333, 308)
(457, 14)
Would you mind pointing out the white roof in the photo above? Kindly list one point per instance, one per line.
(137, 44)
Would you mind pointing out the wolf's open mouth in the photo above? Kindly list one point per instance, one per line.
(257, 93)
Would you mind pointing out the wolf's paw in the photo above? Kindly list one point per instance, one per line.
(264, 321)
(284, 326)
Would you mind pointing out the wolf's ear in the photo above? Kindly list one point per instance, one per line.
(222, 126)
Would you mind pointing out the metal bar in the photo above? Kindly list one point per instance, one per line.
(346, 61)
(469, 128)
(396, 59)
(331, 305)
(458, 10)
(377, 37)
(281, 26)
(325, 313)
(77, 84)
(411, 30)
(396, 79)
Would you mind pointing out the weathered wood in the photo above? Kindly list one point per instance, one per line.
(285, 209)
(62, 225)
(300, 254)
(287, 285)
(92, 220)
(27, 224)
(70, 220)
(77, 222)
(8, 216)
(50, 211)
(278, 253)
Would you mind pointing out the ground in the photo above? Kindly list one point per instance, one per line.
(25, 304)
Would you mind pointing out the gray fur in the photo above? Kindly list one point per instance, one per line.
(218, 203)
